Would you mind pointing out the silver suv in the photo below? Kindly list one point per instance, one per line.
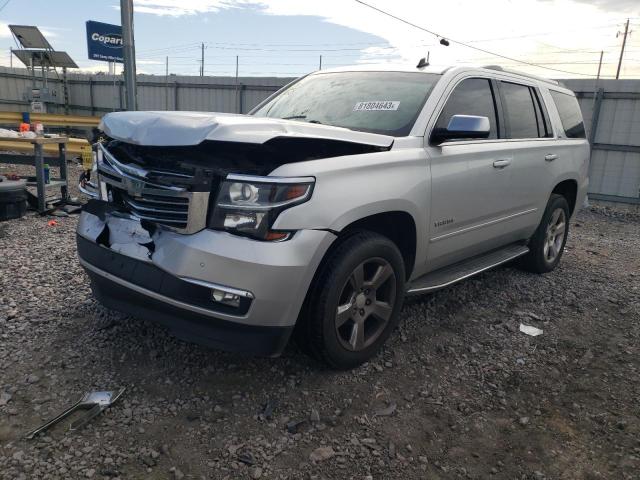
(337, 196)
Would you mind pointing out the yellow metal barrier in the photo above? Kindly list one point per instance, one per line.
(51, 119)
(74, 147)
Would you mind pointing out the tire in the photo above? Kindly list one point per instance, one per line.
(355, 301)
(547, 243)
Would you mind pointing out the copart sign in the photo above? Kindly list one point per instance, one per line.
(104, 41)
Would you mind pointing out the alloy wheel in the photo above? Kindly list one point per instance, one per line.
(554, 235)
(366, 304)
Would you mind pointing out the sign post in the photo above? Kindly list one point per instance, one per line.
(126, 13)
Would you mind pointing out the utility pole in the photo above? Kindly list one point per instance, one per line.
(129, 53)
(624, 42)
(595, 88)
(202, 62)
(320, 66)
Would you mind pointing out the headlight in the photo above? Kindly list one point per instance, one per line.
(248, 205)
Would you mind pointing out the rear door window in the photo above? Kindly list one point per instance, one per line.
(570, 114)
(522, 118)
(472, 96)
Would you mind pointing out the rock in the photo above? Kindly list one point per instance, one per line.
(33, 378)
(523, 420)
(4, 398)
(256, 473)
(89, 473)
(321, 454)
(315, 416)
(177, 474)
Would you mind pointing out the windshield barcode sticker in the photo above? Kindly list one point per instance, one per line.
(377, 105)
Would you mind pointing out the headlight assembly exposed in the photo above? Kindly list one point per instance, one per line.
(249, 205)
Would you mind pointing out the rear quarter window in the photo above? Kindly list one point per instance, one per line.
(570, 114)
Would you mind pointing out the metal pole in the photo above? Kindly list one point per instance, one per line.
(202, 62)
(320, 66)
(237, 105)
(129, 53)
(166, 81)
(595, 88)
(624, 42)
(65, 89)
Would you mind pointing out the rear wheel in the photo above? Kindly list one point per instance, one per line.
(547, 243)
(356, 300)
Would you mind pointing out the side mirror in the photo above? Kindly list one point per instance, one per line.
(462, 127)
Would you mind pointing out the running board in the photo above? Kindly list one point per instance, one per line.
(446, 276)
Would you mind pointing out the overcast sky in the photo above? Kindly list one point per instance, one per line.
(287, 37)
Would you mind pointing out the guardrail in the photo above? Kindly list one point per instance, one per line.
(74, 147)
(50, 119)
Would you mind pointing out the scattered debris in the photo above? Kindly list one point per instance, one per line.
(294, 425)
(388, 411)
(95, 402)
(52, 223)
(267, 410)
(530, 330)
(247, 458)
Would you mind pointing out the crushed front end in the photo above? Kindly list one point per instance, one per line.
(181, 235)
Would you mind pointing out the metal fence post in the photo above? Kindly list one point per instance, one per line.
(91, 104)
(595, 116)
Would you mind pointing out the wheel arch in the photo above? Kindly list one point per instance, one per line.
(569, 190)
(396, 225)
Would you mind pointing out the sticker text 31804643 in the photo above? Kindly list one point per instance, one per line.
(376, 105)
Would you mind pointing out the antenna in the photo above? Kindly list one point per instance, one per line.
(424, 62)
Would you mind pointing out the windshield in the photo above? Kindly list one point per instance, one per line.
(379, 102)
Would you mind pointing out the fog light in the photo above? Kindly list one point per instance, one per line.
(225, 298)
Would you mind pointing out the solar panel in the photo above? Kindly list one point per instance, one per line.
(30, 37)
(47, 58)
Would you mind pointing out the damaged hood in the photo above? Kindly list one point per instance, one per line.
(192, 128)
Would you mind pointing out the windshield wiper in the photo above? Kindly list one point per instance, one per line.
(301, 117)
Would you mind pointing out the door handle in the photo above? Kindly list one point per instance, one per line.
(502, 163)
(550, 157)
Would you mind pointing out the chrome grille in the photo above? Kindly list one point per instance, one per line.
(136, 190)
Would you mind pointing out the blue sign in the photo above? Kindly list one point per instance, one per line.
(104, 41)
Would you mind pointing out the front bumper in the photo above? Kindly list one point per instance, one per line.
(167, 277)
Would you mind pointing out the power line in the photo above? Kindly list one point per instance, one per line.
(466, 44)
(4, 5)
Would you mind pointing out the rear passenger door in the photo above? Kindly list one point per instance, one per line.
(528, 130)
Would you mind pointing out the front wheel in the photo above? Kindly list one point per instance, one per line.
(547, 243)
(356, 300)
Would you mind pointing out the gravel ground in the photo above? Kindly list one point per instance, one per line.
(459, 392)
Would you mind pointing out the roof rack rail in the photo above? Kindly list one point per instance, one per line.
(535, 77)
